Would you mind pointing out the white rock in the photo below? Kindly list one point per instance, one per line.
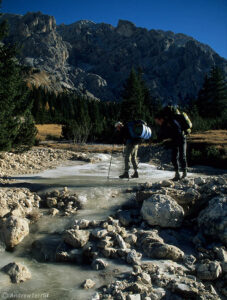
(99, 233)
(76, 238)
(209, 270)
(134, 297)
(14, 230)
(213, 219)
(88, 284)
(121, 242)
(17, 272)
(54, 211)
(162, 210)
(83, 224)
(145, 278)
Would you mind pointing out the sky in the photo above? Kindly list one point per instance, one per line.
(204, 20)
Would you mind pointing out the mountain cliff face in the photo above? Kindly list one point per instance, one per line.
(95, 59)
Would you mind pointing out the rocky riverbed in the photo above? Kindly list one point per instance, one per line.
(169, 238)
(36, 159)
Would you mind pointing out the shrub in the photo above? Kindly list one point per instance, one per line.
(212, 152)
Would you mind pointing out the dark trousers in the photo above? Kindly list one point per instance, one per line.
(179, 157)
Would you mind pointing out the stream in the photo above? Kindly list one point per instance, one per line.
(101, 196)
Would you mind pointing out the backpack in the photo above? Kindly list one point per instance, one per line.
(184, 122)
(139, 129)
(170, 111)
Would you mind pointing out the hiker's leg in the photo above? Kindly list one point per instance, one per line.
(134, 157)
(183, 157)
(175, 161)
(175, 157)
(128, 154)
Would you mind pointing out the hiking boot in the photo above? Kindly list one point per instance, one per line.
(135, 175)
(176, 177)
(124, 175)
(184, 174)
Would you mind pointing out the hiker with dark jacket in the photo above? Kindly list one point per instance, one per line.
(172, 128)
(130, 153)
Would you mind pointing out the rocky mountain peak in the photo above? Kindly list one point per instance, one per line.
(96, 59)
(36, 22)
(125, 28)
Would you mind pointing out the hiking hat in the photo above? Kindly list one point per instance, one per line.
(118, 124)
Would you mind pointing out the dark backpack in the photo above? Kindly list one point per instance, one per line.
(172, 112)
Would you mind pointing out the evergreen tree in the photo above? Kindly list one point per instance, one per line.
(15, 117)
(133, 98)
(212, 98)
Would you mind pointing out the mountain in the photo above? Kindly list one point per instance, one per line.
(95, 59)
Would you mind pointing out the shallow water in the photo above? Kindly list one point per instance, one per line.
(101, 196)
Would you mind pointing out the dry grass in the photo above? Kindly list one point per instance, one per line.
(85, 148)
(215, 138)
(46, 131)
(202, 142)
(211, 137)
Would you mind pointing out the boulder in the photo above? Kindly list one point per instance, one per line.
(209, 270)
(162, 210)
(14, 230)
(17, 272)
(163, 251)
(76, 238)
(212, 220)
(150, 236)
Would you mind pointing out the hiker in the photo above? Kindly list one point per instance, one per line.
(172, 127)
(131, 149)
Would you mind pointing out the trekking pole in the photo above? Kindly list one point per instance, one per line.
(108, 177)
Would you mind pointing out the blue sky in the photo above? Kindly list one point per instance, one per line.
(205, 20)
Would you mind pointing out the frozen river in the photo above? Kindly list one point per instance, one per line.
(101, 196)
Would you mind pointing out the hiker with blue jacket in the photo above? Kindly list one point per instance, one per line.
(131, 134)
(131, 149)
(174, 126)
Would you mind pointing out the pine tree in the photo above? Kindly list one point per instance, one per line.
(212, 98)
(133, 98)
(15, 115)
